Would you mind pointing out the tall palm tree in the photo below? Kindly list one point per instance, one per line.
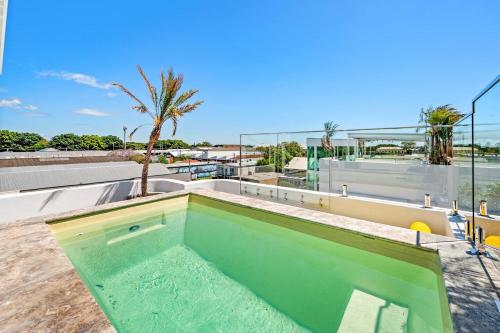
(167, 104)
(441, 120)
(326, 140)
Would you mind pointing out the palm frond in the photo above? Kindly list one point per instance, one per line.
(141, 107)
(174, 126)
(330, 128)
(152, 90)
(185, 96)
(135, 130)
(182, 110)
(172, 85)
(168, 103)
(163, 90)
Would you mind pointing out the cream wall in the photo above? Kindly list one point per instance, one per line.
(491, 226)
(375, 210)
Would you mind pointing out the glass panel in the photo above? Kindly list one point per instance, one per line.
(301, 174)
(487, 151)
(397, 164)
(462, 160)
(259, 174)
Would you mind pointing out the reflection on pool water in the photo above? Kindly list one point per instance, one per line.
(197, 265)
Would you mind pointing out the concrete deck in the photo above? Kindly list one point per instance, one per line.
(41, 291)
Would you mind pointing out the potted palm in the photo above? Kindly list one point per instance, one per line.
(167, 104)
(440, 120)
(326, 140)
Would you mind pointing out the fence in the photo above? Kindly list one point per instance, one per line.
(398, 164)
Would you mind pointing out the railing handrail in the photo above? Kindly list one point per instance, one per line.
(364, 129)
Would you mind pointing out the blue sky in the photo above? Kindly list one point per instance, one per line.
(259, 65)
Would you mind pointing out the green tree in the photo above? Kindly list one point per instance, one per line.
(25, 141)
(7, 140)
(293, 148)
(92, 142)
(167, 105)
(43, 143)
(136, 145)
(281, 155)
(112, 142)
(441, 120)
(408, 146)
(68, 141)
(163, 159)
(203, 144)
(171, 144)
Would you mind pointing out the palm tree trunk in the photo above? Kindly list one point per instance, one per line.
(153, 138)
(145, 170)
(434, 147)
(450, 143)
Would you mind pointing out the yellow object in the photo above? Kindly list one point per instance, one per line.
(420, 226)
(493, 241)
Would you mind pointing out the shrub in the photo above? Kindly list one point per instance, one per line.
(163, 159)
(139, 158)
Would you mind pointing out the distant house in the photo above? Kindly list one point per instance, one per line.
(295, 173)
(270, 178)
(296, 167)
(234, 170)
(462, 151)
(50, 149)
(390, 150)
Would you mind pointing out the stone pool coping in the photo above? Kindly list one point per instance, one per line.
(42, 292)
(40, 289)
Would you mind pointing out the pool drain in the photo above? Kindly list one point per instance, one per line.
(134, 228)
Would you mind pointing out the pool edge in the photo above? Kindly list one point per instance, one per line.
(469, 292)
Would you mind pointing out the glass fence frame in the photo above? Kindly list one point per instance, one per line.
(276, 139)
(476, 211)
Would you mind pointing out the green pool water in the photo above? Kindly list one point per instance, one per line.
(179, 266)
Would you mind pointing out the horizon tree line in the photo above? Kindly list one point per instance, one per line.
(29, 141)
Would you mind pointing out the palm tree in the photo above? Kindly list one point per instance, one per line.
(167, 104)
(441, 120)
(326, 140)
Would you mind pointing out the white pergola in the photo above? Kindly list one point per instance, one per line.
(374, 136)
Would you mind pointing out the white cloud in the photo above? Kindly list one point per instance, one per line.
(14, 103)
(84, 79)
(26, 110)
(30, 107)
(92, 112)
(111, 94)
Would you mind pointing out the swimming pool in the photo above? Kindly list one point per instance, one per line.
(196, 264)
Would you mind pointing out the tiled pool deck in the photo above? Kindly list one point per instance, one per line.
(41, 292)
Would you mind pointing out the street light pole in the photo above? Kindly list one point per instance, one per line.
(124, 137)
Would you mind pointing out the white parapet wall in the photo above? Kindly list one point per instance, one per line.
(22, 205)
(17, 206)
